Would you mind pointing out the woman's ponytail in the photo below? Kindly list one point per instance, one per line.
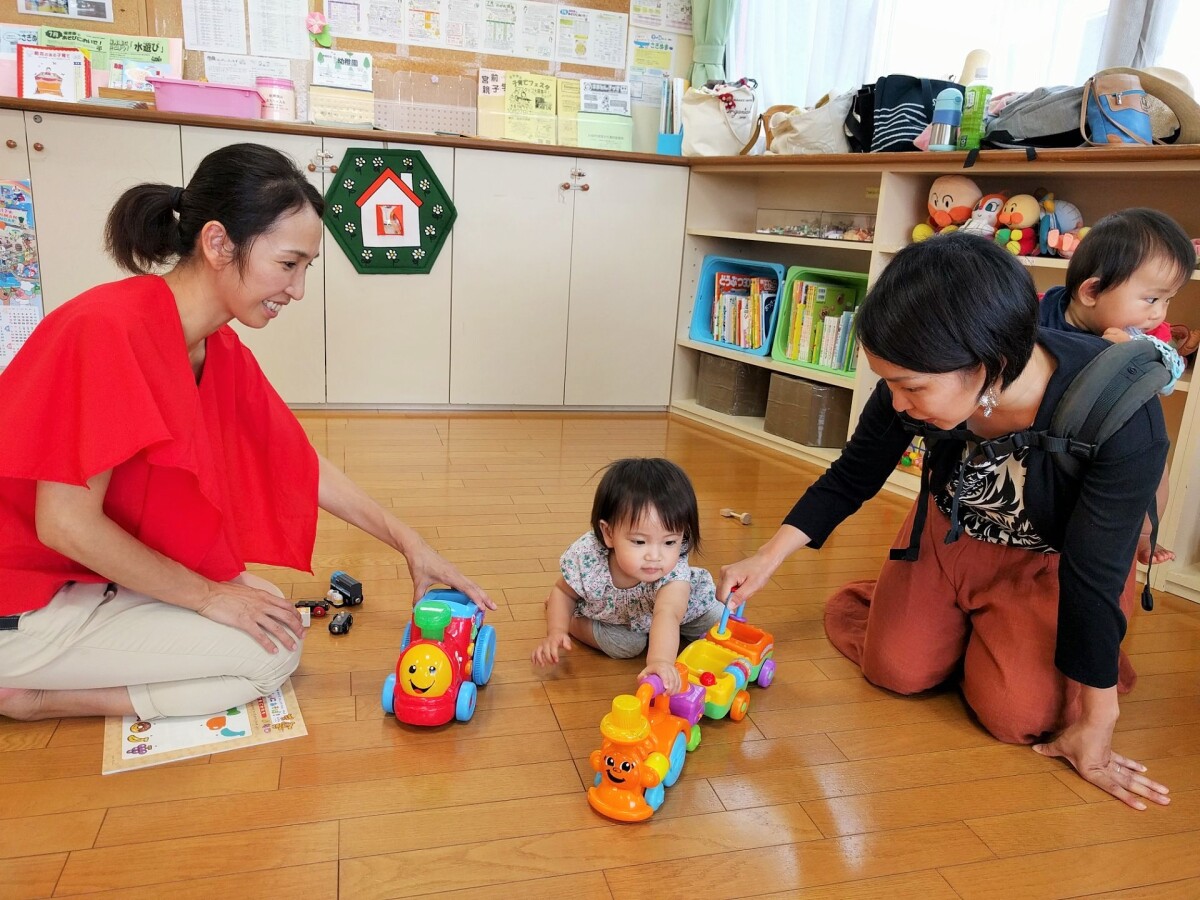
(142, 231)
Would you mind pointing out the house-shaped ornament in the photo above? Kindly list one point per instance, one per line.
(388, 211)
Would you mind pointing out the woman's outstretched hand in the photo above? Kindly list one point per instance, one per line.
(1088, 748)
(272, 621)
(427, 567)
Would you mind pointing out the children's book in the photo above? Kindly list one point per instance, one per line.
(742, 309)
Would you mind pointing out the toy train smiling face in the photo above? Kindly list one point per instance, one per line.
(425, 671)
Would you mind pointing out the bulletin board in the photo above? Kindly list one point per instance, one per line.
(404, 74)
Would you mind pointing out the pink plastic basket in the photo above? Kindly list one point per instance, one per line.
(174, 95)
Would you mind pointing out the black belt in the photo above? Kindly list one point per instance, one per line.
(9, 623)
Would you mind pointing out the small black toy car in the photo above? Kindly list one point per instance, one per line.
(340, 624)
(319, 607)
(344, 590)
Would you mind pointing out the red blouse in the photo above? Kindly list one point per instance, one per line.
(213, 475)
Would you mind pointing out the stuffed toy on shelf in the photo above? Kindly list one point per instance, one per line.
(1061, 227)
(1017, 225)
(950, 202)
(983, 216)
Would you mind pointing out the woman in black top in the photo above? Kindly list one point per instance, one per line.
(1009, 568)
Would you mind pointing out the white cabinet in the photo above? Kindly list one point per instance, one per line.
(566, 273)
(78, 167)
(626, 247)
(14, 159)
(512, 278)
(291, 348)
(387, 337)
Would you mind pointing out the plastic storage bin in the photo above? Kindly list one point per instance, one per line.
(779, 347)
(701, 327)
(205, 98)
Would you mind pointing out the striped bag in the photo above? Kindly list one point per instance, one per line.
(890, 114)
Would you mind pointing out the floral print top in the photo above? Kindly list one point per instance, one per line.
(585, 568)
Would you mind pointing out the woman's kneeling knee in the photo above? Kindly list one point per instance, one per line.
(275, 668)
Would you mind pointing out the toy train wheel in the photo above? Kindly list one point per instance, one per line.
(464, 707)
(766, 674)
(388, 698)
(741, 706)
(485, 655)
(694, 738)
(319, 611)
(655, 796)
(407, 639)
(677, 756)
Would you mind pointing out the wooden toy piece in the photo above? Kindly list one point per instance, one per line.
(744, 518)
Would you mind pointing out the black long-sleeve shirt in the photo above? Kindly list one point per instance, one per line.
(1094, 520)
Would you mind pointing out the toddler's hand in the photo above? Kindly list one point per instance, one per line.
(1115, 335)
(1161, 553)
(667, 673)
(546, 653)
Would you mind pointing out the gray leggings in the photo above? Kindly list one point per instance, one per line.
(622, 642)
(174, 661)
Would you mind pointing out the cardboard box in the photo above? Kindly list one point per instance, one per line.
(816, 415)
(732, 387)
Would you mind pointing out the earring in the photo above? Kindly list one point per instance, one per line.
(988, 401)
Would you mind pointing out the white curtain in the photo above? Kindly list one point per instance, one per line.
(800, 50)
(1136, 32)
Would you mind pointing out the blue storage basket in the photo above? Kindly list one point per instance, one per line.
(702, 309)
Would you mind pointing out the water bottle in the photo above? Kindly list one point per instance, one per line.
(975, 102)
(947, 116)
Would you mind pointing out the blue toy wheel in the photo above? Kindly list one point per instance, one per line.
(766, 674)
(655, 796)
(464, 707)
(677, 758)
(404, 641)
(485, 655)
(388, 698)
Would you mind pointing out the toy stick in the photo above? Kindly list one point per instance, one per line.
(744, 518)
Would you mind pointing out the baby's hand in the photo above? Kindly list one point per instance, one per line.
(546, 653)
(666, 672)
(1161, 553)
(1116, 335)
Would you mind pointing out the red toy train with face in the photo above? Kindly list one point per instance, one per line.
(439, 667)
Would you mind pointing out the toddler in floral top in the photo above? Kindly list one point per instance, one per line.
(626, 585)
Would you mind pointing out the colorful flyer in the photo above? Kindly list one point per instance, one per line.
(20, 273)
(132, 743)
(53, 73)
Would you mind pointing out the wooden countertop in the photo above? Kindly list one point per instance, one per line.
(1126, 160)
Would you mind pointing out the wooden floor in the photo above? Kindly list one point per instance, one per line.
(831, 788)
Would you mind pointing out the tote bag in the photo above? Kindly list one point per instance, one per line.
(817, 130)
(721, 119)
(889, 115)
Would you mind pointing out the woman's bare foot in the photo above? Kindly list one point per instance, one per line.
(21, 704)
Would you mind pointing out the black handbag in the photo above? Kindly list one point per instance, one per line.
(887, 116)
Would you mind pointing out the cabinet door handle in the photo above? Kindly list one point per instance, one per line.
(10, 144)
(311, 167)
(585, 187)
(565, 186)
(38, 147)
(333, 169)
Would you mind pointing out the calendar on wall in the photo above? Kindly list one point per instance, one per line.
(20, 273)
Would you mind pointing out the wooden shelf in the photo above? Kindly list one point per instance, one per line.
(766, 362)
(1030, 262)
(751, 427)
(781, 239)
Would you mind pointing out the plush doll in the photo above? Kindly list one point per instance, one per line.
(983, 216)
(1061, 227)
(951, 200)
(1017, 225)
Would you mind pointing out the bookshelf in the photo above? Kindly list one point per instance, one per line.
(725, 196)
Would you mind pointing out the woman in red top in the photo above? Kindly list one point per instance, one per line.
(147, 460)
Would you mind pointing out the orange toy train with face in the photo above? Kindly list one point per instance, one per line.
(439, 667)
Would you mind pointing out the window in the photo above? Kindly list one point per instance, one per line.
(801, 49)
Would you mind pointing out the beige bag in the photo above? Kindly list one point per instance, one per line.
(722, 120)
(791, 130)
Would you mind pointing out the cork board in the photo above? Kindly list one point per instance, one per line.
(129, 17)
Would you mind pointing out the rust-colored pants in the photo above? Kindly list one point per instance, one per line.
(992, 608)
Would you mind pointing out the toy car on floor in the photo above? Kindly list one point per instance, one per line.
(722, 674)
(647, 737)
(441, 662)
(755, 645)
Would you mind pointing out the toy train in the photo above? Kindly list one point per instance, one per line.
(647, 735)
(442, 663)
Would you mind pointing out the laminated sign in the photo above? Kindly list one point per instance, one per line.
(388, 211)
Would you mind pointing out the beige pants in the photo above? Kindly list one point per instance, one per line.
(174, 661)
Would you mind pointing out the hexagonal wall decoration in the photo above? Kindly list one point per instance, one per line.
(388, 211)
